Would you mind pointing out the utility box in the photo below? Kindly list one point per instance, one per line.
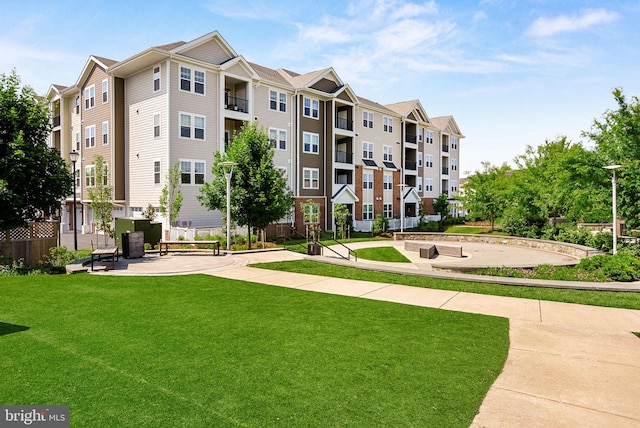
(152, 231)
(132, 245)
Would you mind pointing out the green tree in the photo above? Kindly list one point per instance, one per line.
(101, 196)
(33, 177)
(441, 206)
(171, 197)
(617, 139)
(342, 219)
(486, 192)
(259, 194)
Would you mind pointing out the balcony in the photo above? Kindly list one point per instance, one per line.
(411, 138)
(445, 170)
(411, 165)
(344, 123)
(237, 104)
(344, 157)
(445, 148)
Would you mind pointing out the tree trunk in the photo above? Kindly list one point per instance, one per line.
(248, 236)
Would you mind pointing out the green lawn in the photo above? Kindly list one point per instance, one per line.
(382, 254)
(201, 351)
(612, 299)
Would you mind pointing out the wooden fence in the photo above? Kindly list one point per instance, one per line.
(31, 244)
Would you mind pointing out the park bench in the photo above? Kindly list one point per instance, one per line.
(165, 246)
(429, 251)
(101, 252)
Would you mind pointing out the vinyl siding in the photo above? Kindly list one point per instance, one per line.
(210, 52)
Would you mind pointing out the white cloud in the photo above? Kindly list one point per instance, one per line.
(543, 27)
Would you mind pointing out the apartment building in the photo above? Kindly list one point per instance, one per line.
(181, 103)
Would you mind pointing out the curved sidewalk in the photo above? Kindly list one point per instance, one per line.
(568, 365)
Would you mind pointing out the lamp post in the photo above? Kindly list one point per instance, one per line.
(74, 158)
(228, 171)
(402, 186)
(614, 206)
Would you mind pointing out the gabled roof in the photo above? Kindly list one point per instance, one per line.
(411, 195)
(170, 46)
(205, 39)
(447, 124)
(270, 75)
(307, 80)
(376, 106)
(347, 89)
(345, 194)
(103, 63)
(406, 108)
(239, 60)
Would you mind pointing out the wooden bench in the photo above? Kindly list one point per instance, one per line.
(165, 246)
(429, 251)
(100, 252)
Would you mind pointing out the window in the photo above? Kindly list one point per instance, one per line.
(311, 213)
(156, 79)
(198, 172)
(310, 142)
(90, 136)
(367, 180)
(277, 101)
(387, 210)
(367, 211)
(429, 137)
(367, 150)
(454, 143)
(78, 104)
(78, 139)
(420, 134)
(90, 175)
(105, 133)
(387, 124)
(156, 125)
(419, 158)
(367, 119)
(420, 186)
(428, 184)
(156, 172)
(185, 172)
(454, 185)
(197, 131)
(454, 164)
(278, 138)
(310, 178)
(192, 79)
(387, 183)
(387, 153)
(105, 91)
(311, 108)
(428, 161)
(90, 97)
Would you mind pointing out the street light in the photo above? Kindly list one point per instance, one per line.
(402, 186)
(228, 171)
(74, 158)
(614, 205)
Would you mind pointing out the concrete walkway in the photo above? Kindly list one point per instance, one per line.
(568, 365)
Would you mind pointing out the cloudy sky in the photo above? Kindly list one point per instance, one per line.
(512, 72)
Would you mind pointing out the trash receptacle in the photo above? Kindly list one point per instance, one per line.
(132, 245)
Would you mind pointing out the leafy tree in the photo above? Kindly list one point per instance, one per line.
(101, 198)
(259, 194)
(486, 192)
(617, 138)
(343, 217)
(33, 177)
(171, 197)
(149, 213)
(441, 206)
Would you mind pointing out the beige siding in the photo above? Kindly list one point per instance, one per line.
(210, 52)
(238, 71)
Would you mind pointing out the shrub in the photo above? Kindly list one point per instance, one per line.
(622, 267)
(380, 226)
(602, 241)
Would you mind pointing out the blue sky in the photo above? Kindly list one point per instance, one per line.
(512, 73)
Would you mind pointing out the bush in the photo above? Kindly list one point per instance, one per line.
(380, 226)
(432, 226)
(602, 241)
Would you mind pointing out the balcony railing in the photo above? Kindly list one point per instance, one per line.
(410, 138)
(445, 148)
(412, 165)
(344, 157)
(445, 170)
(342, 123)
(237, 104)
